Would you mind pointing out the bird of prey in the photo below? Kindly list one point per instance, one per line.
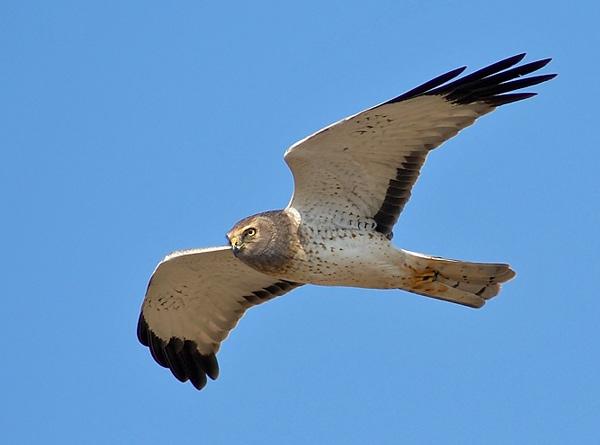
(352, 179)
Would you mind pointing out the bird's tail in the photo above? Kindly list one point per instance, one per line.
(470, 284)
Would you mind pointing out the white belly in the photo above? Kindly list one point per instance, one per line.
(349, 258)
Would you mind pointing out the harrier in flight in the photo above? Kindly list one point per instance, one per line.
(352, 180)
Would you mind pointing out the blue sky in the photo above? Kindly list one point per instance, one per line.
(129, 129)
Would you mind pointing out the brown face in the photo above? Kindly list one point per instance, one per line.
(263, 241)
(250, 236)
(240, 238)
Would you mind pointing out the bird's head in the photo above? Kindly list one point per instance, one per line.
(251, 236)
(262, 241)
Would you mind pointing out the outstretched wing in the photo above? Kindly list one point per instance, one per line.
(194, 299)
(361, 170)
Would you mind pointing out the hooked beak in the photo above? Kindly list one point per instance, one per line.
(236, 244)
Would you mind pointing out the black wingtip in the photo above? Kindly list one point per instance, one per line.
(484, 85)
(489, 84)
(211, 366)
(427, 86)
(199, 381)
(512, 60)
(497, 66)
(157, 350)
(177, 363)
(504, 99)
(487, 93)
(180, 356)
(142, 330)
(544, 62)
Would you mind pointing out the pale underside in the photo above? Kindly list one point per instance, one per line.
(352, 180)
(342, 172)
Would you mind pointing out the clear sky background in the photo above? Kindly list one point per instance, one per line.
(129, 129)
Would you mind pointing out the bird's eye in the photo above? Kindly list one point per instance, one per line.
(250, 232)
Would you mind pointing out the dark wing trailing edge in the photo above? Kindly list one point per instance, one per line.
(398, 192)
(486, 85)
(194, 299)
